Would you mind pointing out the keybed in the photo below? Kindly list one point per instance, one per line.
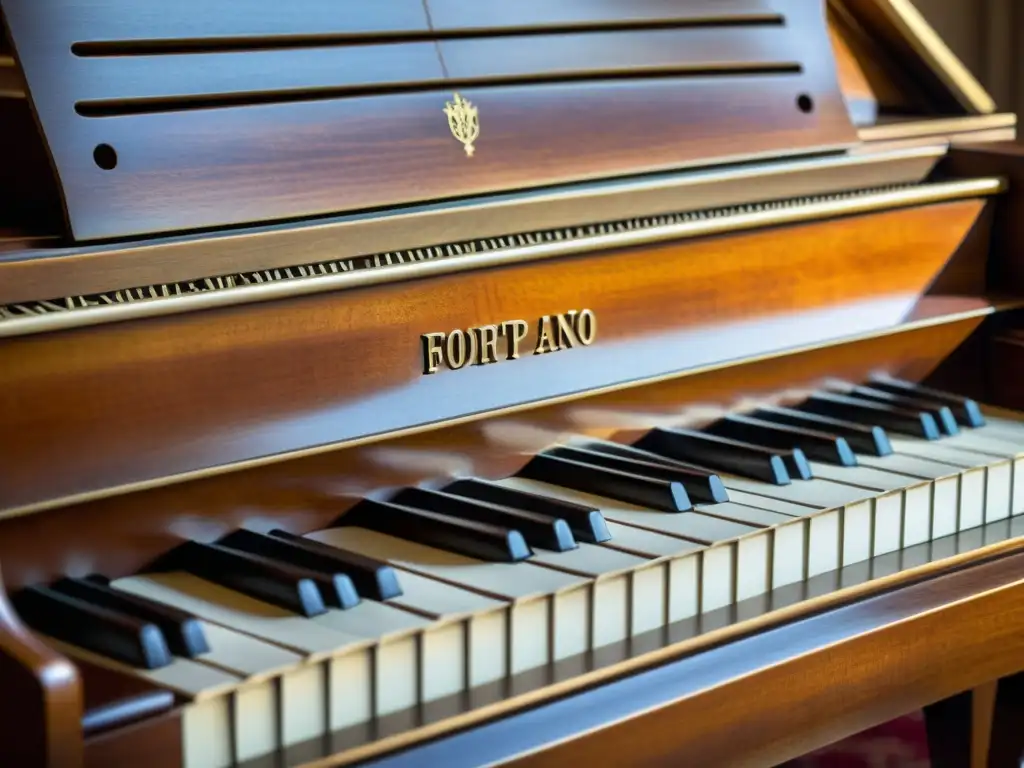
(594, 543)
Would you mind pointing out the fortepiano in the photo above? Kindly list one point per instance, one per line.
(535, 383)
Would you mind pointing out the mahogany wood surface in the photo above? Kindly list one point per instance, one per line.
(157, 741)
(1008, 224)
(41, 700)
(46, 270)
(289, 135)
(253, 381)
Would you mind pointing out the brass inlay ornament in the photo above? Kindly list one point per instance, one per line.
(463, 121)
(480, 345)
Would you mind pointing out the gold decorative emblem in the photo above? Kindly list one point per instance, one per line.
(464, 121)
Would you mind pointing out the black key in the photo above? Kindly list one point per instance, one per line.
(967, 411)
(700, 486)
(107, 632)
(819, 446)
(538, 530)
(586, 523)
(871, 441)
(943, 415)
(291, 588)
(182, 631)
(466, 537)
(623, 486)
(718, 453)
(336, 587)
(872, 414)
(374, 579)
(700, 483)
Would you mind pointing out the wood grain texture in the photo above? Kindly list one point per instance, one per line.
(41, 704)
(470, 15)
(186, 168)
(251, 382)
(30, 271)
(777, 694)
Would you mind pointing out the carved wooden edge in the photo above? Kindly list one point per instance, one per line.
(40, 702)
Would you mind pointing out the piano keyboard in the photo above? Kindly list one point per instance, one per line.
(274, 639)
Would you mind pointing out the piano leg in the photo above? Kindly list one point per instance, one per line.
(980, 728)
(1007, 737)
(41, 700)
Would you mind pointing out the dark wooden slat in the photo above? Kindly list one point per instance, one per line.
(668, 49)
(279, 71)
(362, 152)
(346, 365)
(313, 71)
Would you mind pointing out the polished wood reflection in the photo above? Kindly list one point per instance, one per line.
(253, 381)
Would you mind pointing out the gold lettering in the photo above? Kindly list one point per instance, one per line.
(514, 332)
(486, 337)
(586, 327)
(456, 350)
(433, 351)
(565, 332)
(546, 341)
(478, 345)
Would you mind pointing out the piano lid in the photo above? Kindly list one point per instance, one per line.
(204, 116)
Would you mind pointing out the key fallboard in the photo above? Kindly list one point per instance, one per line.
(185, 120)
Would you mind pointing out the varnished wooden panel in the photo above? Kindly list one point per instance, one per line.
(294, 147)
(471, 15)
(219, 76)
(41, 702)
(198, 168)
(91, 21)
(254, 381)
(1007, 160)
(31, 271)
(132, 82)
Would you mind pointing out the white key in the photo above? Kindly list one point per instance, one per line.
(897, 497)
(746, 554)
(986, 480)
(612, 585)
(246, 615)
(680, 595)
(840, 532)
(467, 622)
(537, 594)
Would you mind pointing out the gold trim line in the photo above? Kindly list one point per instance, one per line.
(744, 221)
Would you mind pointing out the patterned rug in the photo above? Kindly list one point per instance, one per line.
(900, 743)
